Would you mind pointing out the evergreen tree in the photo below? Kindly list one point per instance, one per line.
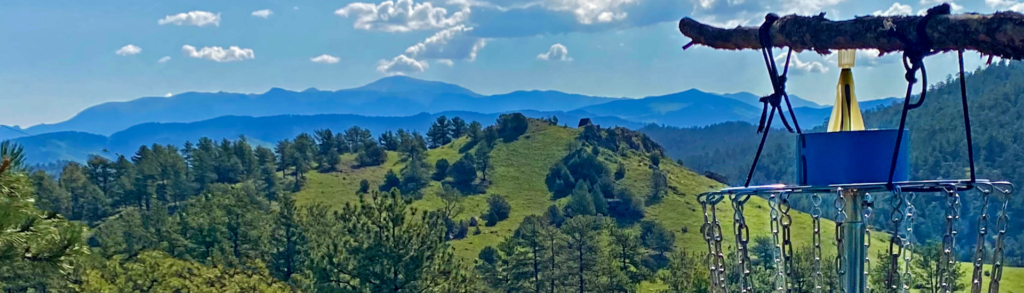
(440, 132)
(687, 273)
(659, 187)
(304, 151)
(88, 203)
(327, 151)
(364, 186)
(581, 203)
(656, 237)
(101, 173)
(287, 240)
(627, 253)
(440, 170)
(356, 138)
(389, 141)
(412, 256)
(285, 153)
(511, 126)
(554, 216)
(620, 171)
(458, 128)
(483, 157)
(49, 196)
(464, 171)
(391, 180)
(371, 154)
(497, 211)
(37, 248)
(582, 241)
(267, 167)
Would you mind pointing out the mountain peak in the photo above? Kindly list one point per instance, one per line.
(401, 83)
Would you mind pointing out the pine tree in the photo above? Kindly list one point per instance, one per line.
(458, 128)
(287, 240)
(440, 132)
(483, 157)
(412, 256)
(582, 234)
(581, 203)
(627, 254)
(389, 141)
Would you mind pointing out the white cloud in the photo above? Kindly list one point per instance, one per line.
(265, 13)
(168, 95)
(196, 18)
(401, 16)
(731, 13)
(797, 66)
(451, 43)
(448, 62)
(219, 54)
(325, 59)
(401, 65)
(1006, 5)
(164, 59)
(895, 9)
(128, 50)
(557, 52)
(591, 11)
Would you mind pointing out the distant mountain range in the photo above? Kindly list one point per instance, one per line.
(77, 146)
(386, 104)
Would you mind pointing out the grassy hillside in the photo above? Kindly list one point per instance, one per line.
(518, 173)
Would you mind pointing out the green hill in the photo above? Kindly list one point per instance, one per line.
(519, 170)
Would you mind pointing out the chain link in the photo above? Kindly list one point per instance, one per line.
(707, 231)
(997, 255)
(948, 258)
(778, 279)
(908, 246)
(896, 242)
(840, 205)
(742, 236)
(868, 209)
(785, 221)
(716, 228)
(979, 250)
(816, 239)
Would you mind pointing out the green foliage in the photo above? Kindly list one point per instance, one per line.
(38, 249)
(656, 237)
(511, 126)
(687, 273)
(389, 141)
(355, 254)
(497, 211)
(463, 172)
(553, 215)
(440, 170)
(14, 154)
(154, 271)
(458, 128)
(620, 171)
(580, 203)
(483, 157)
(364, 186)
(391, 180)
(371, 154)
(440, 132)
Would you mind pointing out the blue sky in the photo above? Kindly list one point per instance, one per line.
(63, 56)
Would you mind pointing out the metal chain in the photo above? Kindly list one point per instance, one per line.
(948, 258)
(840, 205)
(816, 239)
(778, 279)
(908, 243)
(711, 258)
(716, 228)
(979, 248)
(785, 221)
(997, 255)
(742, 236)
(868, 209)
(896, 242)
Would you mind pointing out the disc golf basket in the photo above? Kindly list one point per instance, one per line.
(861, 165)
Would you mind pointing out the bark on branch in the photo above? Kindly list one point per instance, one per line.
(1000, 34)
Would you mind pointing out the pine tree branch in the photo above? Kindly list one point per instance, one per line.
(1000, 34)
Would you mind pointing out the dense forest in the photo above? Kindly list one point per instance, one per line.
(938, 149)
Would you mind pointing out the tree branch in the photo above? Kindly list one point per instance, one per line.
(1000, 34)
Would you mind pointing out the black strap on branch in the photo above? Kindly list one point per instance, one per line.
(778, 90)
(914, 52)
